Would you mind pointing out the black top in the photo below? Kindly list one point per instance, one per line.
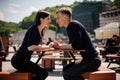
(110, 42)
(79, 38)
(32, 37)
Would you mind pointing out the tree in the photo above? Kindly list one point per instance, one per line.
(53, 27)
(117, 3)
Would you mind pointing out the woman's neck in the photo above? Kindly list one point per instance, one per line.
(41, 28)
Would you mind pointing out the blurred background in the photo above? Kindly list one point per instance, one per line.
(101, 18)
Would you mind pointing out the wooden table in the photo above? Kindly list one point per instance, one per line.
(42, 52)
(112, 57)
(48, 61)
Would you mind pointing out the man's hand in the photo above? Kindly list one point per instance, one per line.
(55, 45)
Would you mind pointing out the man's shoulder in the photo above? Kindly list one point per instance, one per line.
(76, 24)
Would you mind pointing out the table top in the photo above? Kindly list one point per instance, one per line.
(59, 58)
(112, 56)
(117, 46)
(52, 49)
(103, 46)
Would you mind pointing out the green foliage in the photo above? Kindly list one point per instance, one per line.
(117, 3)
(75, 4)
(114, 4)
(5, 33)
(52, 10)
(8, 27)
(53, 27)
(92, 35)
(27, 21)
(87, 13)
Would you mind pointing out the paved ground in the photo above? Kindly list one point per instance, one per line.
(57, 73)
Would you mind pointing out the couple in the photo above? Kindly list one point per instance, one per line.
(78, 39)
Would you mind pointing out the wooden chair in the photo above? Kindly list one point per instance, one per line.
(15, 75)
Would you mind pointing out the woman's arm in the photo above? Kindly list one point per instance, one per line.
(36, 47)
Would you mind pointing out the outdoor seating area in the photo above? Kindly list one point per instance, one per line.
(53, 61)
(113, 57)
(8, 72)
(103, 73)
(62, 40)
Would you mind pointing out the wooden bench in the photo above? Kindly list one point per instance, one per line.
(15, 75)
(103, 73)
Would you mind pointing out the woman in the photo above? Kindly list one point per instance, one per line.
(33, 37)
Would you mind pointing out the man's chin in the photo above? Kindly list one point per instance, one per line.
(60, 25)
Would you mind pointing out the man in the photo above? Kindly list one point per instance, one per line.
(78, 39)
(110, 46)
(112, 41)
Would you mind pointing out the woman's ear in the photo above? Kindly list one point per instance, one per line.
(41, 20)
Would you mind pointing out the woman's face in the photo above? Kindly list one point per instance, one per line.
(46, 21)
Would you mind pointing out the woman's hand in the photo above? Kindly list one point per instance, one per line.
(38, 47)
(32, 48)
(51, 44)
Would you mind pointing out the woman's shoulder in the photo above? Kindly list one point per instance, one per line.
(32, 28)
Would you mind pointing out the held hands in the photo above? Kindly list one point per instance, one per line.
(55, 45)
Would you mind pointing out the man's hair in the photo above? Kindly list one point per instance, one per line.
(41, 14)
(114, 35)
(65, 10)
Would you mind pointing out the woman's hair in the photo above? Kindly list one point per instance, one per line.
(41, 14)
(65, 10)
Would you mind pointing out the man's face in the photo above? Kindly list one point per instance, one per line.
(114, 38)
(60, 19)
